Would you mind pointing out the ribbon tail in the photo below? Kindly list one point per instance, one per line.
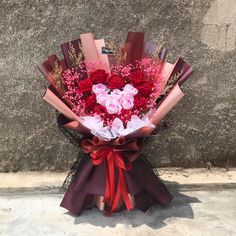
(118, 195)
(107, 190)
(111, 175)
(121, 191)
(125, 195)
(110, 179)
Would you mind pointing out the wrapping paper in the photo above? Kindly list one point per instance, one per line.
(89, 185)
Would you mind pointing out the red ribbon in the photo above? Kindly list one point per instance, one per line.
(112, 154)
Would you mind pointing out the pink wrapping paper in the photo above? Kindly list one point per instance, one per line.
(75, 123)
(167, 105)
(99, 43)
(166, 70)
(89, 48)
(56, 102)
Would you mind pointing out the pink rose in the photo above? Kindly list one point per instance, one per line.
(128, 102)
(130, 90)
(113, 106)
(102, 98)
(116, 94)
(99, 88)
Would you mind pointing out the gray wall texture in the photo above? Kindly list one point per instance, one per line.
(200, 129)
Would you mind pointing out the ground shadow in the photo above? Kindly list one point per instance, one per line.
(155, 217)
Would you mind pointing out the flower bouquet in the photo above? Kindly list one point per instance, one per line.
(113, 96)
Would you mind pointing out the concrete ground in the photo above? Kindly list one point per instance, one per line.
(199, 208)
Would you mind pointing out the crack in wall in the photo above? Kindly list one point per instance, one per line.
(219, 30)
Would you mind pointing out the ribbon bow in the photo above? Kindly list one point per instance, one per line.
(116, 154)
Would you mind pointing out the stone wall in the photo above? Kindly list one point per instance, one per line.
(200, 129)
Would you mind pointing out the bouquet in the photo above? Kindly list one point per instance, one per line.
(113, 96)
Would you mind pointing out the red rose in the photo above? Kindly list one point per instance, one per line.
(137, 77)
(145, 89)
(140, 102)
(90, 102)
(85, 86)
(99, 109)
(115, 82)
(98, 76)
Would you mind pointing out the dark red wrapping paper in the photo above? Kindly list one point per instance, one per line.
(90, 180)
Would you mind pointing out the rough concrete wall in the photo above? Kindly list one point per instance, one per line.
(201, 127)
